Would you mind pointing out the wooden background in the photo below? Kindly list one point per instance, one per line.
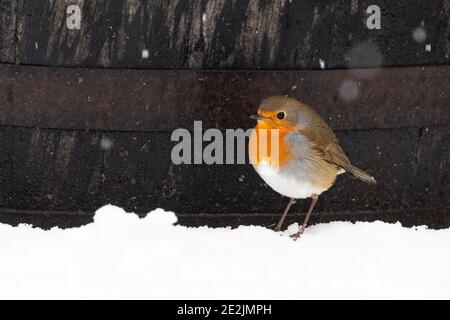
(64, 91)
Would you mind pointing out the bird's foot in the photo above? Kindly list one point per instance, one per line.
(297, 235)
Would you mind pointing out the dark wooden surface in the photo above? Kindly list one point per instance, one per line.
(54, 171)
(8, 19)
(234, 34)
(139, 100)
(53, 117)
(398, 128)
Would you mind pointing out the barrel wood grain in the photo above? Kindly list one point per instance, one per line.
(68, 171)
(8, 30)
(149, 100)
(235, 34)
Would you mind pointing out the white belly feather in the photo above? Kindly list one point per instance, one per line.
(284, 184)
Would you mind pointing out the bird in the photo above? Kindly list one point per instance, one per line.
(297, 154)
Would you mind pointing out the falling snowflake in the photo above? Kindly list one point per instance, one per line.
(419, 35)
(106, 143)
(322, 64)
(349, 90)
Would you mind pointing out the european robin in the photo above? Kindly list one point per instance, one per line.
(303, 159)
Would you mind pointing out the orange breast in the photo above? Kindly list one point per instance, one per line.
(267, 143)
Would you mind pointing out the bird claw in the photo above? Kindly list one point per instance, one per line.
(297, 235)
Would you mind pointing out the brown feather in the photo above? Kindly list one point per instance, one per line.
(334, 154)
(306, 121)
(327, 145)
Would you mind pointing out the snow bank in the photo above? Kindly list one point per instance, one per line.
(122, 256)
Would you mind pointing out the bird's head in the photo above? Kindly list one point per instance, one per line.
(281, 112)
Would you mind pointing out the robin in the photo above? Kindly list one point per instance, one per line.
(306, 158)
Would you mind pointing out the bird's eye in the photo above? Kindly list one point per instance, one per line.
(281, 115)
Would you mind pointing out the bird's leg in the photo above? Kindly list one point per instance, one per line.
(296, 235)
(283, 216)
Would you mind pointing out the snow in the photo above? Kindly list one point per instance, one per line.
(122, 256)
(419, 34)
(322, 64)
(349, 90)
(106, 143)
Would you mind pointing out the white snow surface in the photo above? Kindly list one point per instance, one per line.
(123, 256)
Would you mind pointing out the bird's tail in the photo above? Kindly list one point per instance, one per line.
(361, 175)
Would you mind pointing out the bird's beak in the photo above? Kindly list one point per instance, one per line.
(258, 117)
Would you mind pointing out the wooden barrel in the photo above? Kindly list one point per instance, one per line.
(86, 114)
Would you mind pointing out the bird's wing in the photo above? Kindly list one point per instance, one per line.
(334, 154)
(329, 150)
